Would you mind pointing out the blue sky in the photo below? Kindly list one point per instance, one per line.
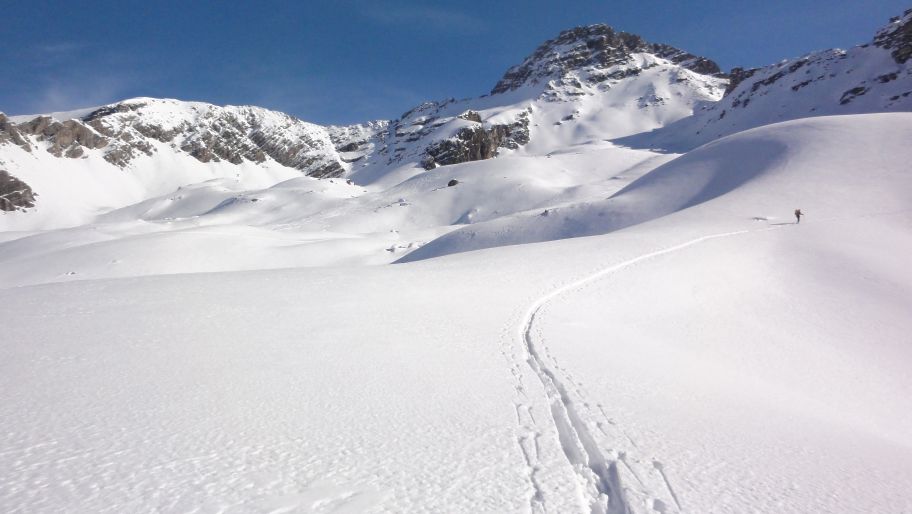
(346, 61)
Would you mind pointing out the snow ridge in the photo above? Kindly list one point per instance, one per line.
(869, 78)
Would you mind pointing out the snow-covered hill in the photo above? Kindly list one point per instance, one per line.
(873, 77)
(820, 163)
(714, 359)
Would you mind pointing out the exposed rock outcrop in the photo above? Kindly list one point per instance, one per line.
(737, 76)
(478, 142)
(837, 69)
(14, 193)
(133, 128)
(9, 133)
(897, 37)
(594, 48)
(469, 144)
(67, 138)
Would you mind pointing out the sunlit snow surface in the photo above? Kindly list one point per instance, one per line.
(700, 353)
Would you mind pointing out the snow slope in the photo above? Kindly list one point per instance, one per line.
(168, 212)
(821, 164)
(700, 361)
(220, 226)
(869, 78)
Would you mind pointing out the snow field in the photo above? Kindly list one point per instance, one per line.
(219, 226)
(708, 356)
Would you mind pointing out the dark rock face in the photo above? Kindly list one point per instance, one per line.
(477, 143)
(516, 134)
(595, 46)
(470, 116)
(897, 36)
(470, 144)
(688, 60)
(737, 76)
(9, 133)
(112, 109)
(67, 138)
(349, 147)
(14, 193)
(849, 95)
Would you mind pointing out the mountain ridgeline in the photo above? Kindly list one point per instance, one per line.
(431, 134)
(592, 82)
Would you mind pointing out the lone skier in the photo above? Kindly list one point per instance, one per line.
(798, 215)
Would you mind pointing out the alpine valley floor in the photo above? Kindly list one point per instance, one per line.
(672, 344)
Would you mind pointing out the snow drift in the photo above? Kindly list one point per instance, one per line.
(824, 165)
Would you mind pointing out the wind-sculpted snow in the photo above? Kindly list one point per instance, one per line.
(704, 363)
(756, 173)
(222, 225)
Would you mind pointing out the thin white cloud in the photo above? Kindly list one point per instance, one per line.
(69, 74)
(77, 92)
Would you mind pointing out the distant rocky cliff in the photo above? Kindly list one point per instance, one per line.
(14, 193)
(594, 49)
(130, 129)
(478, 142)
(824, 67)
(872, 77)
(897, 37)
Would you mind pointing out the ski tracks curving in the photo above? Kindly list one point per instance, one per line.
(598, 473)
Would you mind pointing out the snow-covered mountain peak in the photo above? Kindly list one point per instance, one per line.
(600, 53)
(587, 84)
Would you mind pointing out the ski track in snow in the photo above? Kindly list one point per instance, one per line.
(599, 479)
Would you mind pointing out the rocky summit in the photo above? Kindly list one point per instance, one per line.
(594, 49)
